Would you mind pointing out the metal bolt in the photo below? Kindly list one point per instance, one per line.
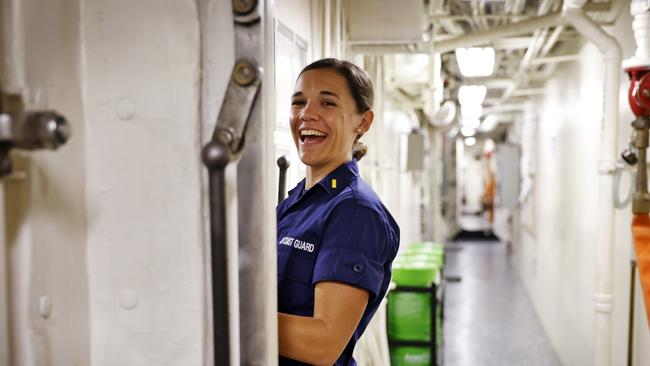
(244, 73)
(243, 7)
(225, 136)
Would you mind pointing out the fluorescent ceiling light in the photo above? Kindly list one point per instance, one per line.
(471, 111)
(471, 94)
(470, 141)
(470, 122)
(475, 61)
(467, 131)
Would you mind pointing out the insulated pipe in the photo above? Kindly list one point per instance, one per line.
(327, 28)
(513, 29)
(612, 55)
(4, 285)
(336, 15)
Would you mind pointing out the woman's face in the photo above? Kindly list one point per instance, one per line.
(324, 118)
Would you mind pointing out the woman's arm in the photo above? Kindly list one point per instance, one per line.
(320, 340)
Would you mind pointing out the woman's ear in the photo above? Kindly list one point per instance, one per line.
(366, 121)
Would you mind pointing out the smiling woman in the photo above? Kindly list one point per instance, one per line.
(336, 240)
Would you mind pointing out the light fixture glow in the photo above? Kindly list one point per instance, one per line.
(470, 141)
(470, 122)
(467, 131)
(471, 94)
(475, 61)
(471, 111)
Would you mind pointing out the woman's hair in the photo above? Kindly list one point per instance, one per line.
(360, 86)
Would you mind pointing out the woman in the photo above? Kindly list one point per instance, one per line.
(336, 240)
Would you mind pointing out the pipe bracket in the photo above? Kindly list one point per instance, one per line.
(603, 302)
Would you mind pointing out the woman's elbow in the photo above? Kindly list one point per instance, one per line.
(326, 356)
(326, 351)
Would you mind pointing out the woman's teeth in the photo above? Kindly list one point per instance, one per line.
(311, 135)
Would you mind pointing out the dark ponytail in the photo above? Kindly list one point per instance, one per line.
(359, 149)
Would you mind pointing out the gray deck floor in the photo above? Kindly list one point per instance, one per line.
(489, 319)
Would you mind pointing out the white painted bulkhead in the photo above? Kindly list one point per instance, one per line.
(106, 237)
(554, 248)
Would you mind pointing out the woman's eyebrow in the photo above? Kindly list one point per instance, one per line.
(326, 92)
(296, 94)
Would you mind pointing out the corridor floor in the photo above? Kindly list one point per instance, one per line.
(489, 319)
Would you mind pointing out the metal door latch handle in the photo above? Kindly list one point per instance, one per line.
(283, 164)
(641, 200)
(30, 130)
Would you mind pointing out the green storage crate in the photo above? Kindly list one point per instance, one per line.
(409, 313)
(410, 356)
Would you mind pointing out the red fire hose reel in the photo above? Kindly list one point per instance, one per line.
(639, 93)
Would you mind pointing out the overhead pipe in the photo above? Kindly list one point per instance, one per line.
(513, 29)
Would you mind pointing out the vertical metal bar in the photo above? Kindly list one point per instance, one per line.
(434, 306)
(218, 257)
(630, 325)
(4, 285)
(256, 211)
(216, 157)
(283, 164)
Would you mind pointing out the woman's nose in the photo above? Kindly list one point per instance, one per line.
(308, 112)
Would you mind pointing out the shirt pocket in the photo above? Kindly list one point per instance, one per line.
(295, 266)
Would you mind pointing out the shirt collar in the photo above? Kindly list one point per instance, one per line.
(333, 183)
(340, 177)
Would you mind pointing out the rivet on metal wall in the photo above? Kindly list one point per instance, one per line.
(125, 109)
(128, 298)
(243, 7)
(45, 306)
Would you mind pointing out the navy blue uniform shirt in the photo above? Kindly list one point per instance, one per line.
(336, 231)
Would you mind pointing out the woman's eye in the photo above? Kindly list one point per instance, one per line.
(298, 102)
(329, 103)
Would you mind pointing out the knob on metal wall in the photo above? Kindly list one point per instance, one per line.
(28, 130)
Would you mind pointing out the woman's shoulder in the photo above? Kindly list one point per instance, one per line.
(362, 199)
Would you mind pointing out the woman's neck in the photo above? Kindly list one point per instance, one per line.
(316, 173)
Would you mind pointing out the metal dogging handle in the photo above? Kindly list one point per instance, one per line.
(28, 130)
(283, 164)
(641, 199)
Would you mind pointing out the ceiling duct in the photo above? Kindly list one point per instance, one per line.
(387, 26)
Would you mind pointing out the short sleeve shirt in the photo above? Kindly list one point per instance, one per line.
(336, 231)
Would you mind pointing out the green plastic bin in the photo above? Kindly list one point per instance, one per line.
(410, 356)
(409, 313)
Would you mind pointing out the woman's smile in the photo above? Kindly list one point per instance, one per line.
(311, 137)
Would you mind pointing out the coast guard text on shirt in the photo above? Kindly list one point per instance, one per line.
(298, 244)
